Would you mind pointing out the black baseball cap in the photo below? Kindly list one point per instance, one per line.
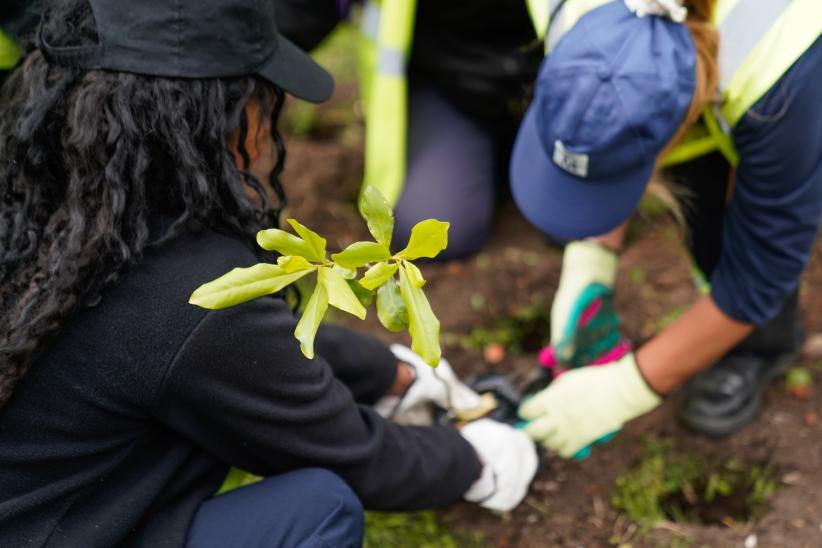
(193, 39)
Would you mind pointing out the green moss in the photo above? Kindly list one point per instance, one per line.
(414, 530)
(637, 275)
(669, 484)
(526, 330)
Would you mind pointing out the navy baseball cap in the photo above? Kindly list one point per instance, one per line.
(193, 39)
(608, 99)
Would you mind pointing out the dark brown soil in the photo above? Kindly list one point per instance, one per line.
(569, 504)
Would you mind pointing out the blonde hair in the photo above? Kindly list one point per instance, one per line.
(706, 42)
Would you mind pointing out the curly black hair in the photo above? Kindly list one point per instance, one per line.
(89, 159)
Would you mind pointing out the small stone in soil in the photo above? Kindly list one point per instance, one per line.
(780, 417)
(455, 268)
(550, 487)
(813, 347)
(494, 353)
(751, 541)
(792, 478)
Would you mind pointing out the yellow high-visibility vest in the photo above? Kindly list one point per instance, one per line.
(759, 41)
(387, 32)
(565, 14)
(9, 52)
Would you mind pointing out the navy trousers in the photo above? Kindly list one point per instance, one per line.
(308, 508)
(454, 165)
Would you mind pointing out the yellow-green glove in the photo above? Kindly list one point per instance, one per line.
(585, 404)
(588, 270)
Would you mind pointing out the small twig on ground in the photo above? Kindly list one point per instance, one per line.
(674, 528)
(540, 507)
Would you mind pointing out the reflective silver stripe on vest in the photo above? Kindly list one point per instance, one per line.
(391, 61)
(557, 26)
(740, 32)
(370, 24)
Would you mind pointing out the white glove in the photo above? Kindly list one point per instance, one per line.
(583, 263)
(438, 386)
(672, 9)
(587, 403)
(510, 462)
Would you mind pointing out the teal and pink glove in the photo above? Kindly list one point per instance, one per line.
(584, 325)
(586, 405)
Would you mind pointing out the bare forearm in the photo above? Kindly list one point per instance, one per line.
(695, 341)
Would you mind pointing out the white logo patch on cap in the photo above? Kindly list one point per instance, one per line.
(575, 164)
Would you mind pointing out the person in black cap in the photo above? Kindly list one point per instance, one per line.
(631, 89)
(139, 159)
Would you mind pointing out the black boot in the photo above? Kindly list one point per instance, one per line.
(727, 396)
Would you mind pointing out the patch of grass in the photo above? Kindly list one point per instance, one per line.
(526, 330)
(637, 275)
(672, 485)
(414, 530)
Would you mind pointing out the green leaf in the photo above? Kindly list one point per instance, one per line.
(365, 296)
(378, 274)
(284, 243)
(378, 215)
(339, 294)
(391, 308)
(293, 263)
(361, 253)
(428, 238)
(243, 284)
(414, 274)
(422, 323)
(347, 273)
(310, 321)
(315, 242)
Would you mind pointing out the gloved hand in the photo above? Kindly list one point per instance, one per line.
(585, 404)
(438, 386)
(510, 463)
(584, 325)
